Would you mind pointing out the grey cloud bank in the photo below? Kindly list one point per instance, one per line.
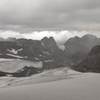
(29, 15)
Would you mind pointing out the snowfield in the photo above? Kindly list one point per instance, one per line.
(82, 87)
(56, 84)
(12, 65)
(46, 76)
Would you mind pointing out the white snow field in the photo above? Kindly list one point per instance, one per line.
(46, 76)
(53, 85)
(12, 65)
(56, 84)
(86, 87)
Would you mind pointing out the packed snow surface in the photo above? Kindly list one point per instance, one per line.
(57, 84)
(12, 65)
(79, 87)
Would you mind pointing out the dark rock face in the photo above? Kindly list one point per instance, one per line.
(3, 73)
(49, 44)
(95, 51)
(77, 48)
(26, 71)
(5, 45)
(30, 48)
(56, 56)
(91, 63)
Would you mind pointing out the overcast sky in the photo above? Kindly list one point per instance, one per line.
(26, 16)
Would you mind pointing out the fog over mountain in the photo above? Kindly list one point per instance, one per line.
(59, 36)
(61, 19)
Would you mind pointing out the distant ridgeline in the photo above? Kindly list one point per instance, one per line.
(76, 51)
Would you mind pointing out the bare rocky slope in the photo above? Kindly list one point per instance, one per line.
(92, 61)
(77, 48)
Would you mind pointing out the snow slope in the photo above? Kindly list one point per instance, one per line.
(46, 76)
(86, 87)
(12, 65)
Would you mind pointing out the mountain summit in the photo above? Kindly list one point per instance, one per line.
(77, 48)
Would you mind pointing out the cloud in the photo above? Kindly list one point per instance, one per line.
(12, 34)
(29, 15)
(59, 36)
